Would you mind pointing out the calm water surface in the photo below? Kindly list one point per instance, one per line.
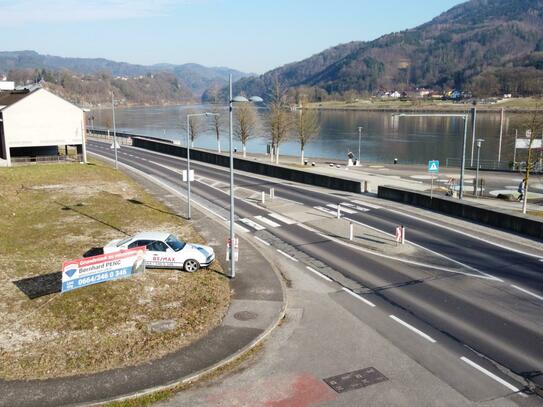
(384, 137)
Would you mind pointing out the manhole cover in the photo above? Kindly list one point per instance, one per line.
(245, 315)
(355, 380)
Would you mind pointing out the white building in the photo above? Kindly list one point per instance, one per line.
(36, 123)
(6, 85)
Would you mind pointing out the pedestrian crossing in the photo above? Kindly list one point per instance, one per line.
(349, 208)
(260, 222)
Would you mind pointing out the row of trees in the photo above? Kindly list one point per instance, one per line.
(278, 121)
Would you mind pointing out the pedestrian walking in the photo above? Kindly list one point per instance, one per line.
(522, 189)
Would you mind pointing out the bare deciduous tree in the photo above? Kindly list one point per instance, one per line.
(306, 127)
(195, 127)
(217, 123)
(279, 119)
(246, 124)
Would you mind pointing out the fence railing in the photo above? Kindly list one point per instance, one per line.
(45, 159)
(483, 164)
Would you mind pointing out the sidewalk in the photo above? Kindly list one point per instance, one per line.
(258, 304)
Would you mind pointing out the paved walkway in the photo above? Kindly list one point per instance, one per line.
(257, 306)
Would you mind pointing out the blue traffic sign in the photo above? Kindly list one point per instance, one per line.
(433, 166)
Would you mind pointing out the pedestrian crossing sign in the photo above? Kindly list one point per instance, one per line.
(433, 166)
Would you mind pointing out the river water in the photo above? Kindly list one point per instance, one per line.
(413, 140)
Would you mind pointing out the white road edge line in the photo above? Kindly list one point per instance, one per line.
(527, 292)
(262, 241)
(288, 256)
(489, 374)
(412, 328)
(267, 221)
(282, 218)
(319, 273)
(357, 296)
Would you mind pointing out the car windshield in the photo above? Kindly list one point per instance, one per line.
(175, 243)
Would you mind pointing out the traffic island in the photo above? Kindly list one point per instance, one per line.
(49, 214)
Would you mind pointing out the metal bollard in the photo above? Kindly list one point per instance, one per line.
(403, 235)
(351, 231)
(339, 211)
(263, 197)
(272, 193)
(366, 190)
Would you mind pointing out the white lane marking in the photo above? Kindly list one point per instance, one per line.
(489, 374)
(359, 297)
(288, 256)
(262, 241)
(527, 292)
(483, 274)
(267, 221)
(282, 218)
(343, 209)
(252, 224)
(323, 209)
(412, 328)
(358, 208)
(369, 205)
(318, 273)
(464, 233)
(241, 228)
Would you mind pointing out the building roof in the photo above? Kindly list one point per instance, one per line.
(11, 97)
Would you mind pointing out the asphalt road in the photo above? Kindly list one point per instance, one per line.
(485, 320)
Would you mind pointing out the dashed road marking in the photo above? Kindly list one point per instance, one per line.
(282, 218)
(267, 221)
(343, 209)
(262, 241)
(318, 273)
(527, 292)
(323, 209)
(241, 228)
(369, 205)
(413, 329)
(489, 374)
(252, 224)
(359, 297)
(288, 256)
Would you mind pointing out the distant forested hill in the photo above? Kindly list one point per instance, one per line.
(489, 47)
(192, 77)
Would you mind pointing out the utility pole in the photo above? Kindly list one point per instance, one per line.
(473, 127)
(501, 137)
(359, 139)
(114, 129)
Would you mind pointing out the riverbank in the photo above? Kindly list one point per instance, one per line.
(516, 105)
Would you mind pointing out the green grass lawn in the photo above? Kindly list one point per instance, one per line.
(52, 213)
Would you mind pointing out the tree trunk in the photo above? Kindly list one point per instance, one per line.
(244, 150)
(218, 145)
(528, 167)
(302, 158)
(277, 155)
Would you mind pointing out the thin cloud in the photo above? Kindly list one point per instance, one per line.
(30, 11)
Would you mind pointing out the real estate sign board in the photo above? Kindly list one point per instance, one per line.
(525, 143)
(97, 269)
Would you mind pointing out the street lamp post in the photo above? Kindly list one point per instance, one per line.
(231, 101)
(114, 129)
(189, 214)
(464, 139)
(479, 144)
(359, 139)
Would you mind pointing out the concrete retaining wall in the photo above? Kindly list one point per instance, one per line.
(510, 221)
(255, 167)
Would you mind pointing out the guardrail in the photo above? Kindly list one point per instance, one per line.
(483, 164)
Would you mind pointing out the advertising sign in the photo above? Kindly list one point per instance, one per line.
(525, 143)
(97, 269)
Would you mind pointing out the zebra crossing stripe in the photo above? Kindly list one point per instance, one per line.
(267, 221)
(252, 224)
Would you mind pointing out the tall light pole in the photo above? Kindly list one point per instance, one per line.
(464, 139)
(359, 139)
(231, 101)
(114, 129)
(474, 129)
(189, 214)
(479, 144)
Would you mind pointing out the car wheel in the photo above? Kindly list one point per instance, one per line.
(191, 265)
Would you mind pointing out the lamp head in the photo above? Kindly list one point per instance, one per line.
(256, 99)
(240, 99)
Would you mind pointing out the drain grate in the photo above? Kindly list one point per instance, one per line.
(245, 315)
(355, 380)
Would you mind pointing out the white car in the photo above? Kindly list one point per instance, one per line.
(164, 250)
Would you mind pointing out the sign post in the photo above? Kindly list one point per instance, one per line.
(235, 250)
(433, 168)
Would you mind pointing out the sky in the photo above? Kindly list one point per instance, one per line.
(249, 35)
